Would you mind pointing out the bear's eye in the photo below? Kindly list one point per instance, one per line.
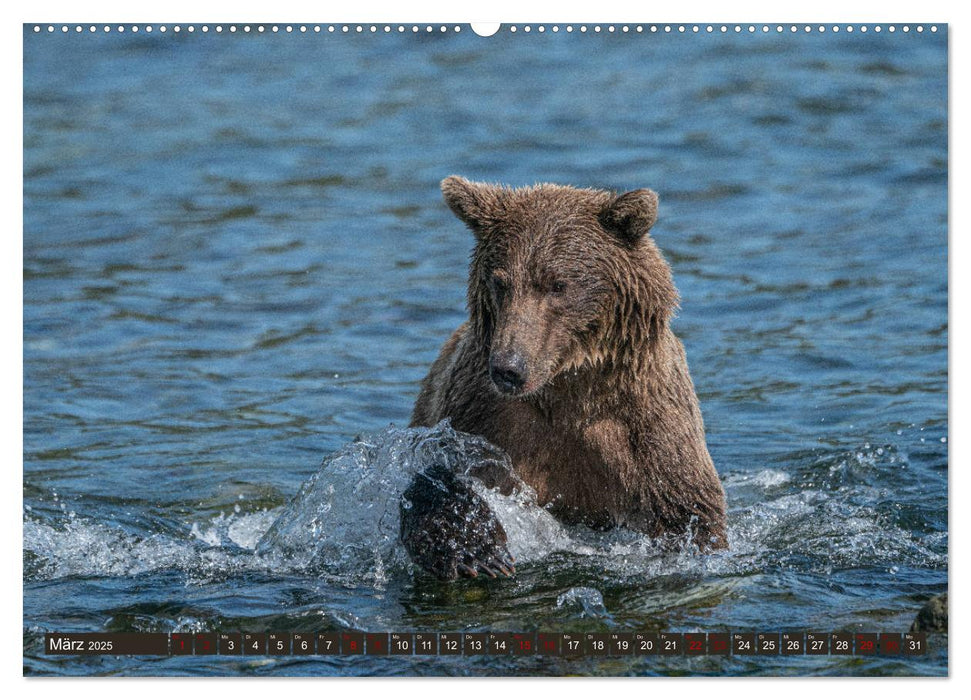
(558, 287)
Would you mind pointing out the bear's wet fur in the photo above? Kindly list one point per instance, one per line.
(569, 364)
(435, 502)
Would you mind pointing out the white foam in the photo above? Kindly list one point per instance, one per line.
(344, 523)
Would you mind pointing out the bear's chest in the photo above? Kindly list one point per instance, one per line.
(573, 467)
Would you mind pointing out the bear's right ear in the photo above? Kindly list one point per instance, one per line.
(631, 215)
(475, 203)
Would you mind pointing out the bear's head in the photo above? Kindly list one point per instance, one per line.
(561, 279)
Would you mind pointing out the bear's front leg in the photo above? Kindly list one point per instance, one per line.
(449, 530)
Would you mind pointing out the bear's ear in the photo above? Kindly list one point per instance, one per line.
(631, 215)
(475, 203)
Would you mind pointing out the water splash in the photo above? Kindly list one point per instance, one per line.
(588, 602)
(345, 520)
(343, 524)
(82, 546)
(235, 529)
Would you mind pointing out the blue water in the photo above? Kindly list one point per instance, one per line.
(236, 260)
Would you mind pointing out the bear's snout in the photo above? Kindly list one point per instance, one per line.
(508, 371)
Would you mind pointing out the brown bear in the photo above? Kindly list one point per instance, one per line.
(569, 364)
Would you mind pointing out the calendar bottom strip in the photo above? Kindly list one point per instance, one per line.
(487, 643)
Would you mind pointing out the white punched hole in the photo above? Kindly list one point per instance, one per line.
(485, 28)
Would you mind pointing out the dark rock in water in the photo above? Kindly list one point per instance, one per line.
(933, 616)
(449, 530)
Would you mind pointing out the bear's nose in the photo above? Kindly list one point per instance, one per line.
(507, 371)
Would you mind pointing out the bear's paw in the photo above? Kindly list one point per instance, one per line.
(449, 530)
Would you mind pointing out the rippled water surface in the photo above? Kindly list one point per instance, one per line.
(236, 260)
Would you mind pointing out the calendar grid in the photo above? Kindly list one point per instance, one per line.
(564, 644)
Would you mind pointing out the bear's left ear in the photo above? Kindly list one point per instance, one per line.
(475, 203)
(631, 215)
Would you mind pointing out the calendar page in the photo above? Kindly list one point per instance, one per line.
(603, 349)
